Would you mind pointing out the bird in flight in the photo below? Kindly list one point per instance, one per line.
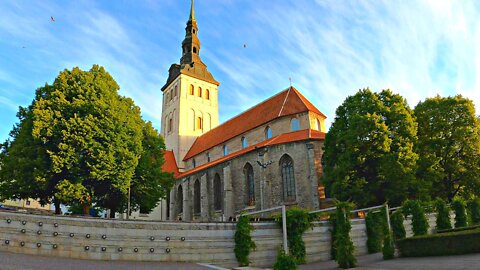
(245, 45)
(52, 19)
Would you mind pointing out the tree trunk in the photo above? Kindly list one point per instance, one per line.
(112, 212)
(58, 210)
(86, 209)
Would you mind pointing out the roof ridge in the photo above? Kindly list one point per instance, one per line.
(284, 101)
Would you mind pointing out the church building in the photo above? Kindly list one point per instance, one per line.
(264, 157)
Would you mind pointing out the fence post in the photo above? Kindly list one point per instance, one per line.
(388, 218)
(284, 229)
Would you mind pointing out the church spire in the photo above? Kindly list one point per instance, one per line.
(192, 12)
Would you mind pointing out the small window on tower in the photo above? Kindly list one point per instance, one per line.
(199, 92)
(194, 31)
(199, 123)
(171, 95)
(170, 125)
(192, 89)
(207, 94)
(176, 90)
(194, 50)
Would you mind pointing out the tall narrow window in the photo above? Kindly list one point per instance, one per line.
(194, 163)
(199, 123)
(171, 94)
(192, 89)
(244, 142)
(208, 156)
(207, 94)
(318, 126)
(176, 90)
(294, 124)
(199, 92)
(268, 133)
(170, 125)
(180, 199)
(250, 181)
(196, 197)
(225, 150)
(288, 178)
(217, 193)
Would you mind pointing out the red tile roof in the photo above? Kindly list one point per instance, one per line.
(170, 164)
(300, 135)
(285, 103)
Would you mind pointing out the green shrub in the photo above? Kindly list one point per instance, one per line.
(243, 241)
(396, 220)
(285, 262)
(375, 223)
(474, 211)
(298, 221)
(333, 232)
(453, 243)
(460, 213)
(443, 215)
(388, 249)
(419, 221)
(343, 242)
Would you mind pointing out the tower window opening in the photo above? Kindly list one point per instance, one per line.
(194, 50)
(244, 142)
(268, 133)
(192, 89)
(225, 150)
(194, 31)
(170, 124)
(207, 94)
(199, 92)
(199, 123)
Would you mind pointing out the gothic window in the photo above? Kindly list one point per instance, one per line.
(199, 123)
(180, 199)
(192, 89)
(225, 150)
(196, 197)
(199, 92)
(217, 192)
(294, 124)
(288, 178)
(244, 142)
(268, 133)
(250, 181)
(318, 125)
(207, 94)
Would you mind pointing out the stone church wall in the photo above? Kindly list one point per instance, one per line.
(158, 241)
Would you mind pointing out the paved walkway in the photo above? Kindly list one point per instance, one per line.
(13, 261)
(375, 262)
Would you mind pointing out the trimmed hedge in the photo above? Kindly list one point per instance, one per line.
(453, 243)
(459, 229)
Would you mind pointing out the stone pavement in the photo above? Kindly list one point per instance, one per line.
(375, 262)
(13, 261)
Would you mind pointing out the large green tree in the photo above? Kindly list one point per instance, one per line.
(369, 155)
(79, 142)
(449, 146)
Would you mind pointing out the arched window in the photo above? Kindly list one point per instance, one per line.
(217, 192)
(180, 199)
(244, 142)
(171, 94)
(225, 150)
(268, 133)
(194, 50)
(208, 156)
(167, 98)
(318, 125)
(250, 181)
(199, 123)
(194, 163)
(294, 124)
(176, 90)
(196, 197)
(199, 93)
(288, 178)
(170, 125)
(192, 89)
(207, 94)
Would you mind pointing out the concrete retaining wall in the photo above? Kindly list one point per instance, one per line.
(156, 241)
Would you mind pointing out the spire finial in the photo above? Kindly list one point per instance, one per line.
(192, 12)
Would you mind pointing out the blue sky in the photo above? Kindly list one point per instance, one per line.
(330, 49)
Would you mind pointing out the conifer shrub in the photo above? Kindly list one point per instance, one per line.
(343, 243)
(298, 221)
(474, 211)
(396, 220)
(443, 215)
(285, 262)
(388, 249)
(243, 241)
(333, 231)
(460, 213)
(374, 222)
(419, 221)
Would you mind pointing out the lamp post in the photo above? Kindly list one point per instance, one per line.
(264, 165)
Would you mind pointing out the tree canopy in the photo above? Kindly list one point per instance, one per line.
(81, 142)
(369, 155)
(449, 146)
